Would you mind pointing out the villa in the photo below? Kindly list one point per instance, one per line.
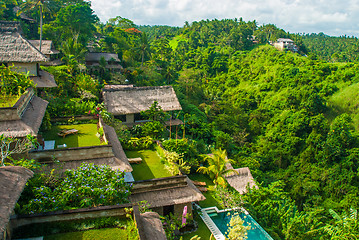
(126, 102)
(285, 44)
(25, 58)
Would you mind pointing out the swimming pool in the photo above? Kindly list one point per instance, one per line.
(221, 219)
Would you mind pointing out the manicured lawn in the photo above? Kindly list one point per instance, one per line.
(151, 166)
(210, 200)
(104, 233)
(87, 135)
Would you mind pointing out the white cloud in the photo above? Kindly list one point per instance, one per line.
(333, 17)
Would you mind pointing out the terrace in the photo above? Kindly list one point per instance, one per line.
(73, 136)
(150, 167)
(71, 144)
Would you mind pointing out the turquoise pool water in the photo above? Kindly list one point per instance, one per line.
(256, 232)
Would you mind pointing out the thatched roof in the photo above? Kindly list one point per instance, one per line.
(117, 148)
(112, 162)
(23, 16)
(129, 100)
(152, 226)
(10, 26)
(44, 80)
(15, 48)
(165, 192)
(12, 183)
(30, 121)
(95, 57)
(47, 47)
(241, 180)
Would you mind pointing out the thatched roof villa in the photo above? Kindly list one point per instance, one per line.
(25, 117)
(12, 183)
(19, 52)
(241, 180)
(167, 195)
(123, 100)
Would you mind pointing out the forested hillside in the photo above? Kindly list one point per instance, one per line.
(333, 49)
(282, 114)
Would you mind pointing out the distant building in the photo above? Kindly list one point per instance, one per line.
(112, 61)
(16, 51)
(285, 44)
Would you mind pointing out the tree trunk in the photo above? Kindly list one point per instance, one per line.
(40, 27)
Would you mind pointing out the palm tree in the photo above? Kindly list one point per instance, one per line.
(143, 48)
(29, 5)
(73, 47)
(217, 166)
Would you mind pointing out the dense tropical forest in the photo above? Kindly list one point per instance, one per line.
(292, 118)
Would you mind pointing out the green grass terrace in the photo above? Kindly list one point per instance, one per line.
(8, 100)
(86, 135)
(150, 167)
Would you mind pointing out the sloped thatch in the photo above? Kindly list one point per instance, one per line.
(113, 162)
(241, 180)
(117, 148)
(152, 226)
(30, 121)
(129, 100)
(44, 80)
(160, 194)
(10, 26)
(15, 48)
(47, 47)
(96, 57)
(12, 183)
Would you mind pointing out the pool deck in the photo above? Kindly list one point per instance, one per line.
(217, 234)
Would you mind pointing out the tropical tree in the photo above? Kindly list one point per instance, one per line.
(73, 47)
(11, 145)
(217, 166)
(143, 48)
(31, 4)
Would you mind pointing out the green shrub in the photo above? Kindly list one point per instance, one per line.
(87, 186)
(138, 143)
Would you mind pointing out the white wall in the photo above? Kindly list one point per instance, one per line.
(25, 67)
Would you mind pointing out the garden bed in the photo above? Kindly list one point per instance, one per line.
(86, 136)
(151, 166)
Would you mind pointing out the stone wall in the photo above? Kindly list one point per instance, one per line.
(15, 112)
(73, 154)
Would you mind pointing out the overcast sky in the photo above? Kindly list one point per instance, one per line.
(333, 17)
